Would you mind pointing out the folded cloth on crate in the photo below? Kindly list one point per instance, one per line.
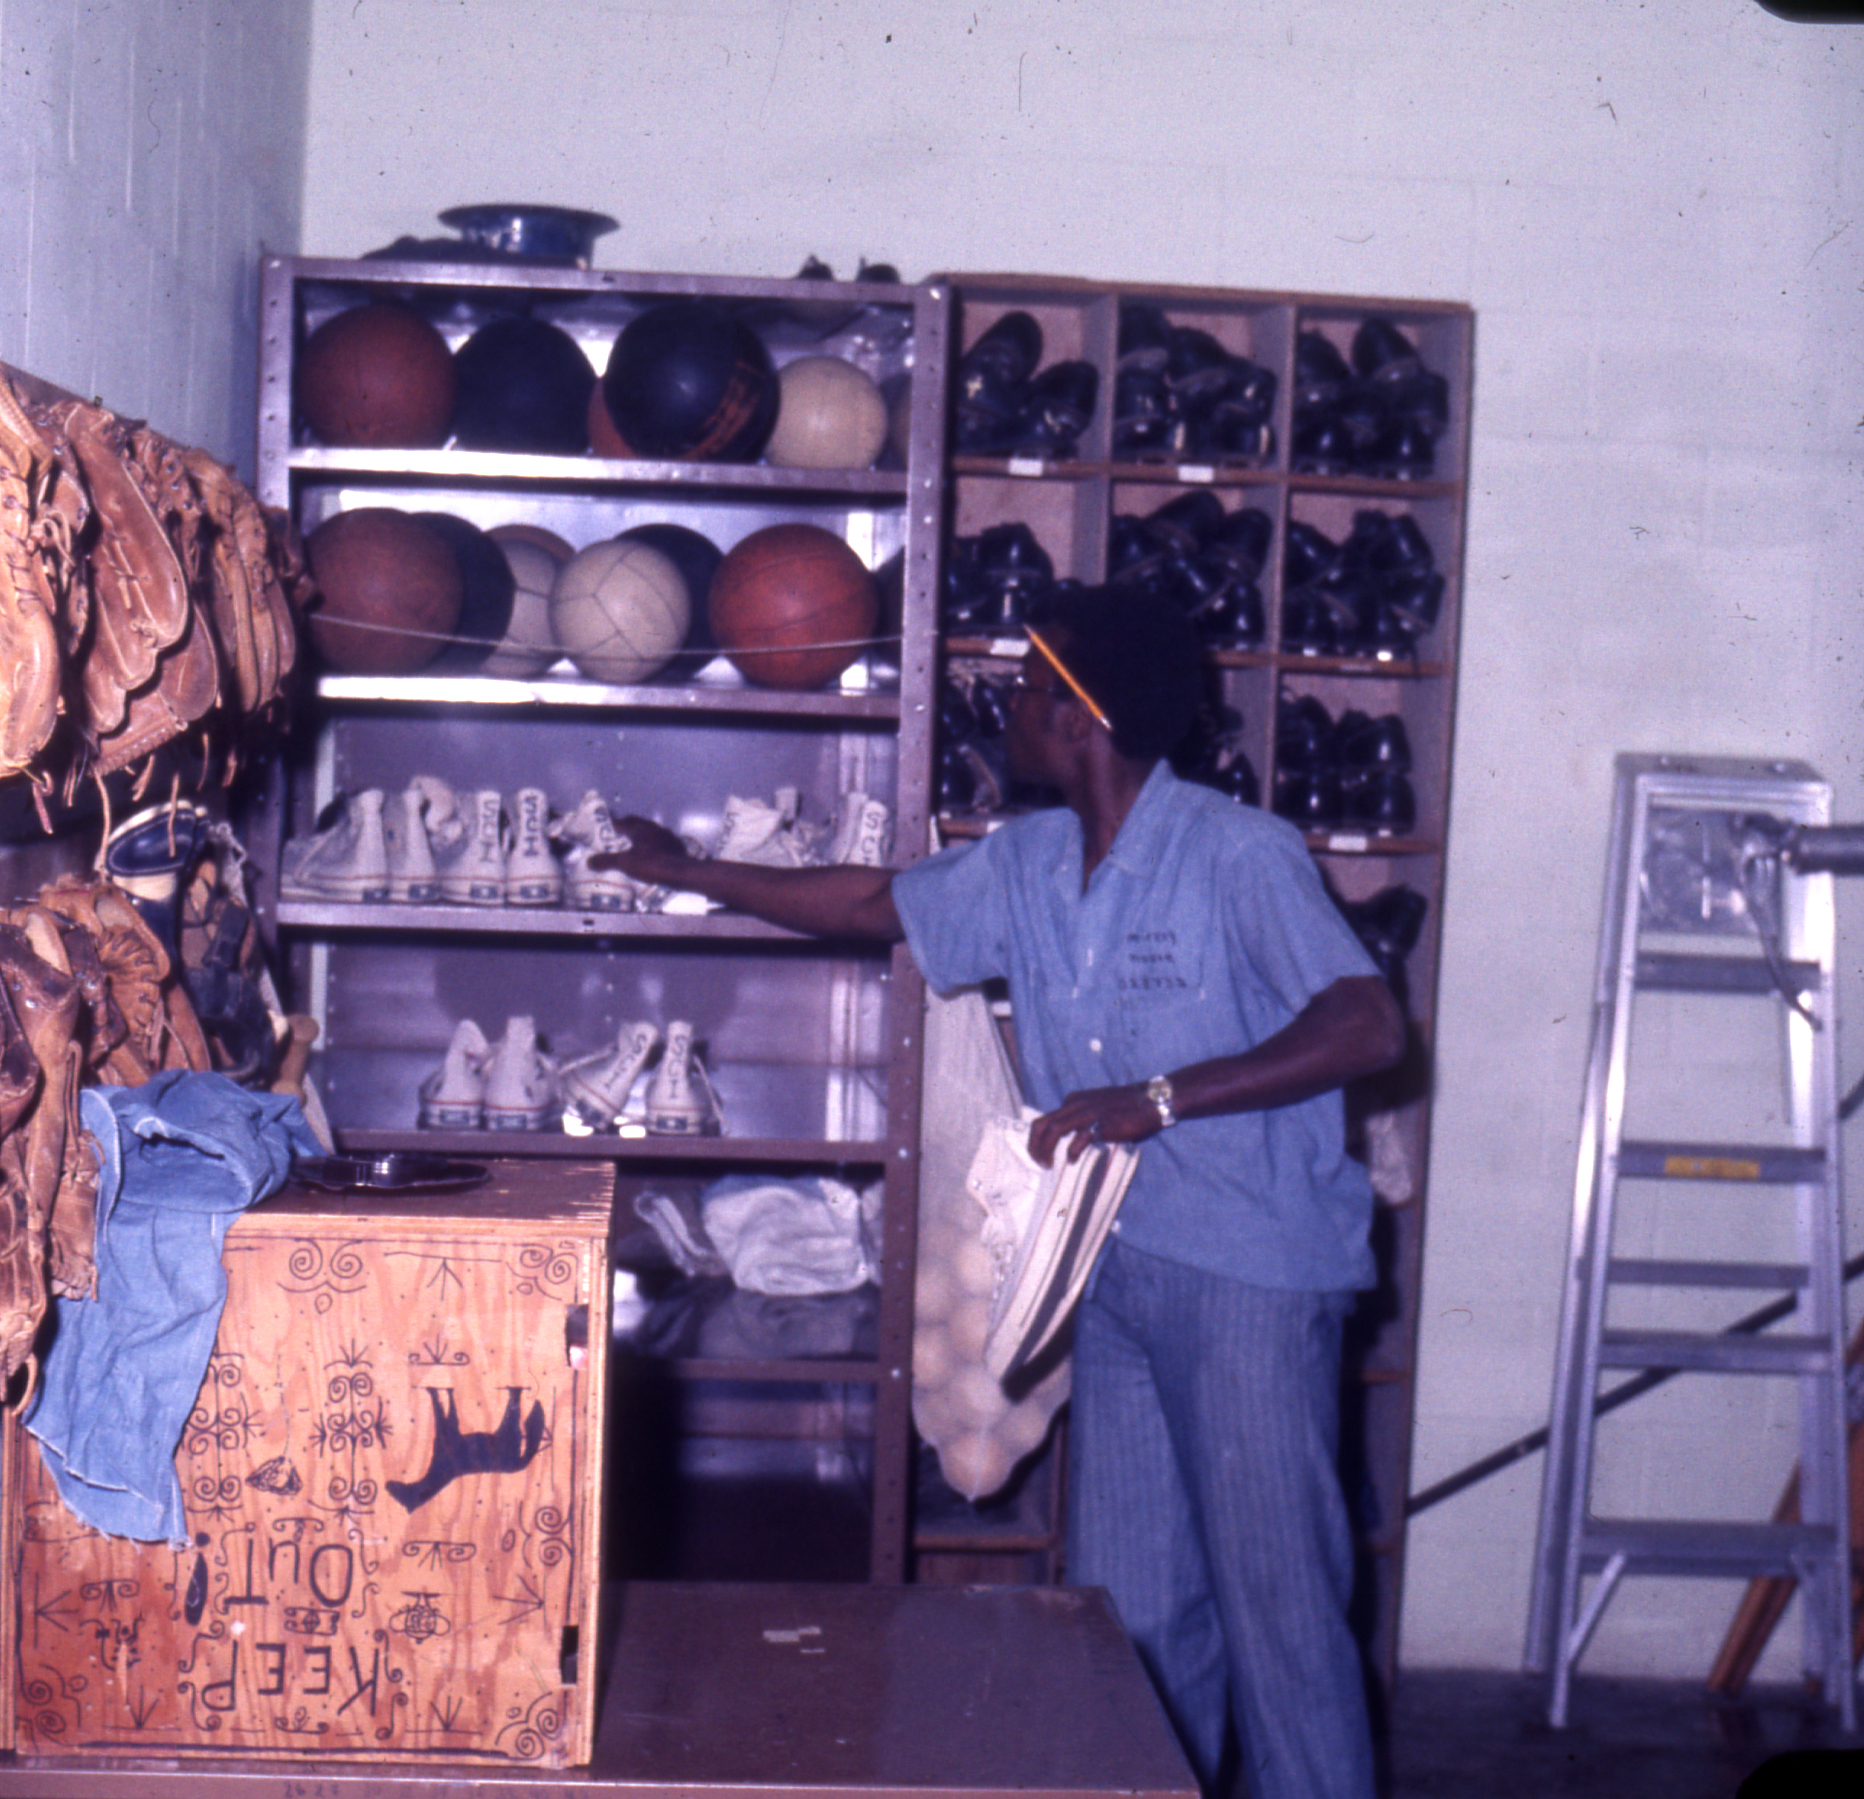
(180, 1157)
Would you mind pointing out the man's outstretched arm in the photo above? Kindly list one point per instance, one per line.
(823, 902)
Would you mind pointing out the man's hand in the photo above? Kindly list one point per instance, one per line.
(1094, 1115)
(649, 853)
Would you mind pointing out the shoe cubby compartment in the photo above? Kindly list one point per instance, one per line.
(1011, 375)
(1209, 549)
(1375, 746)
(1199, 381)
(1380, 393)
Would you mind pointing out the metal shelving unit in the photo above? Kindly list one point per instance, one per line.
(814, 1046)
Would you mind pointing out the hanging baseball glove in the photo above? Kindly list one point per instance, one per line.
(30, 665)
(48, 1006)
(139, 601)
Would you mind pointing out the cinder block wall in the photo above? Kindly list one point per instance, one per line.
(150, 150)
(1655, 212)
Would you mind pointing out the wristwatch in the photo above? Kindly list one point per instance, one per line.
(1159, 1093)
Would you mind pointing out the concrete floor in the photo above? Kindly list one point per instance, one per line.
(1455, 1734)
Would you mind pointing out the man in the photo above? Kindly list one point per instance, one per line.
(1178, 978)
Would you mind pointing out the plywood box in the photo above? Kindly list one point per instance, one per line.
(392, 1481)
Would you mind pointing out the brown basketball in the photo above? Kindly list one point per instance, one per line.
(792, 606)
(377, 376)
(392, 591)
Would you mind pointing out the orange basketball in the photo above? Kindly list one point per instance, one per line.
(792, 606)
(377, 376)
(392, 591)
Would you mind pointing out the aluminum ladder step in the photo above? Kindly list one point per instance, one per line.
(1703, 1546)
(1776, 1165)
(1721, 1353)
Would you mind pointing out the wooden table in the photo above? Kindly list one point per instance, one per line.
(787, 1690)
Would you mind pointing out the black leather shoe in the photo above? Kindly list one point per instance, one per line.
(1374, 743)
(1142, 412)
(1423, 398)
(957, 716)
(1305, 737)
(1380, 801)
(1308, 624)
(1230, 616)
(1382, 352)
(1133, 548)
(986, 416)
(956, 779)
(1145, 337)
(990, 700)
(1308, 553)
(1197, 363)
(1413, 600)
(1322, 445)
(1188, 521)
(1243, 540)
(1309, 798)
(1058, 407)
(1320, 371)
(1009, 352)
(1405, 452)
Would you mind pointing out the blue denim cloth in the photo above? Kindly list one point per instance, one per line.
(180, 1158)
(1203, 1495)
(1204, 931)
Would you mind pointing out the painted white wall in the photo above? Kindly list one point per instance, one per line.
(1654, 211)
(150, 150)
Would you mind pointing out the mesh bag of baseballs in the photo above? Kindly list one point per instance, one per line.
(980, 1429)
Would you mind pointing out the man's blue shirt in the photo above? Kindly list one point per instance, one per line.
(1204, 932)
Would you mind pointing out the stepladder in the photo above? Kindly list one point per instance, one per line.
(1707, 1173)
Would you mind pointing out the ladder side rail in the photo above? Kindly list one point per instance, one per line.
(1544, 1626)
(1824, 1456)
(1627, 876)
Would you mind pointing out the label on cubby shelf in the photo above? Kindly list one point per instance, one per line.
(1195, 472)
(1028, 465)
(1348, 842)
(1009, 646)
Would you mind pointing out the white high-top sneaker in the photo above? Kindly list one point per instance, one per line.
(453, 1096)
(473, 872)
(413, 879)
(349, 861)
(681, 1101)
(863, 832)
(520, 1081)
(597, 1087)
(588, 831)
(532, 877)
(767, 832)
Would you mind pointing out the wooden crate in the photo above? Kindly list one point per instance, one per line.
(392, 1479)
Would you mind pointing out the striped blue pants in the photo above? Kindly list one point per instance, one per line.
(1204, 1496)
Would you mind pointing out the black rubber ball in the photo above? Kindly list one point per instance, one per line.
(524, 385)
(697, 558)
(488, 591)
(688, 381)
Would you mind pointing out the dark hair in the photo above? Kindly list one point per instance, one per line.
(1140, 661)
